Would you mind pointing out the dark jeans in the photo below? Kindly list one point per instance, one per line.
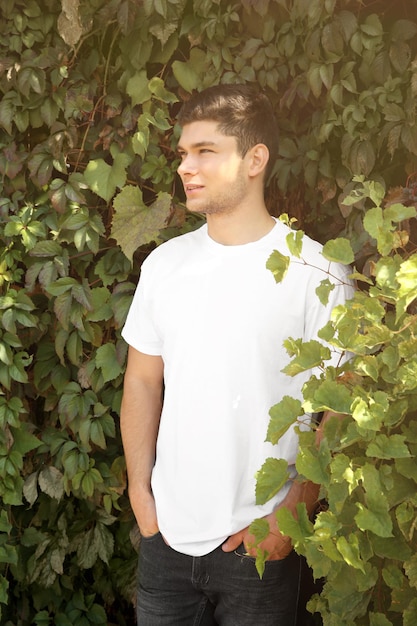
(216, 589)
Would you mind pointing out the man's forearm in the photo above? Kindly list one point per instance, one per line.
(306, 491)
(139, 423)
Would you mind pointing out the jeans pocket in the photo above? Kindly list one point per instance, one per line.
(243, 553)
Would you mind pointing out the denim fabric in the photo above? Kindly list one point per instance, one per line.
(218, 589)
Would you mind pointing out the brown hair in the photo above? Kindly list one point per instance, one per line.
(241, 111)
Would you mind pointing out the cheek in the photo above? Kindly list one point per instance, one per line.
(229, 170)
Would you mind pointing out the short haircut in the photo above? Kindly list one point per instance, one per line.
(241, 111)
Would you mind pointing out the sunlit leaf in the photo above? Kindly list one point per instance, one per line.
(324, 290)
(134, 224)
(388, 447)
(278, 264)
(311, 354)
(377, 521)
(294, 241)
(105, 179)
(349, 549)
(339, 250)
(283, 415)
(270, 479)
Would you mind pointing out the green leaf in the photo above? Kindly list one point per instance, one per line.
(270, 479)
(339, 250)
(369, 413)
(393, 576)
(410, 613)
(313, 462)
(62, 285)
(106, 360)
(7, 111)
(372, 26)
(138, 88)
(407, 467)
(407, 279)
(8, 554)
(74, 348)
(103, 178)
(87, 551)
(399, 212)
(379, 619)
(190, 74)
(324, 290)
(97, 435)
(5, 525)
(403, 30)
(4, 587)
(24, 441)
(46, 249)
(330, 396)
(283, 415)
(311, 354)
(134, 224)
(410, 567)
(260, 529)
(157, 87)
(97, 615)
(388, 447)
(51, 482)
(391, 547)
(104, 542)
(350, 551)
(378, 520)
(140, 142)
(278, 264)
(30, 488)
(295, 242)
(298, 529)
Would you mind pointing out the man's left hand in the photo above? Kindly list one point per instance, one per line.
(276, 545)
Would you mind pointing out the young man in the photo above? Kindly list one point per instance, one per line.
(206, 331)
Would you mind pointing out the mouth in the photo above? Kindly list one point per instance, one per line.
(190, 189)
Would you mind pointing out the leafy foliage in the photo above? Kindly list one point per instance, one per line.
(89, 91)
(363, 541)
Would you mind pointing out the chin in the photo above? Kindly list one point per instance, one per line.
(195, 208)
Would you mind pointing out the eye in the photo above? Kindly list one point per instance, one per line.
(181, 154)
(203, 150)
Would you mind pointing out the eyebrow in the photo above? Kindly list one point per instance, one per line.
(198, 144)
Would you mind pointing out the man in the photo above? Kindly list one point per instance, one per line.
(205, 330)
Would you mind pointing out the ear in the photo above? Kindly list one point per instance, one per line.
(258, 159)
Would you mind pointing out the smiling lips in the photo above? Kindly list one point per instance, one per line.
(191, 188)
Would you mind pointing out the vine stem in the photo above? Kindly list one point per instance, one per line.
(100, 99)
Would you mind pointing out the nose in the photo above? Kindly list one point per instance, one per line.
(187, 166)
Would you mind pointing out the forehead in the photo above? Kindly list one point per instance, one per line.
(204, 132)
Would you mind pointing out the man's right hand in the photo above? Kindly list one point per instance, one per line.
(143, 505)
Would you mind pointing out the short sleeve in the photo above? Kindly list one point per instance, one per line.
(139, 330)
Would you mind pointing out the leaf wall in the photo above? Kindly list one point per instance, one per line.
(89, 91)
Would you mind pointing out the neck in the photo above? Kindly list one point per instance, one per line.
(237, 228)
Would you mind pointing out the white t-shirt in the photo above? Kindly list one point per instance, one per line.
(218, 319)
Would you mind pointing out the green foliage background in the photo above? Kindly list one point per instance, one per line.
(89, 93)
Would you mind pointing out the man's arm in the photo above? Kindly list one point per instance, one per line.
(139, 423)
(277, 545)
